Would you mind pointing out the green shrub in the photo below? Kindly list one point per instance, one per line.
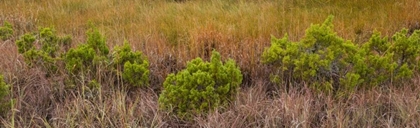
(6, 31)
(320, 59)
(78, 59)
(51, 48)
(25, 43)
(87, 62)
(52, 44)
(4, 92)
(328, 63)
(201, 87)
(384, 61)
(134, 66)
(86, 58)
(406, 51)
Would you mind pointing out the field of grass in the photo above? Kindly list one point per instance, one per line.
(171, 33)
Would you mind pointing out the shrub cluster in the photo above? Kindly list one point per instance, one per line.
(134, 65)
(381, 61)
(201, 87)
(6, 31)
(4, 92)
(87, 57)
(328, 63)
(46, 52)
(84, 63)
(322, 60)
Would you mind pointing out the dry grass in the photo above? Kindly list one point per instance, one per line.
(171, 33)
(373, 108)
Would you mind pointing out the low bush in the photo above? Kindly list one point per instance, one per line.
(43, 49)
(381, 61)
(134, 66)
(4, 92)
(320, 59)
(87, 57)
(330, 64)
(6, 31)
(201, 87)
(86, 62)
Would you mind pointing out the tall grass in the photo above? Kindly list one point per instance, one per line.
(170, 33)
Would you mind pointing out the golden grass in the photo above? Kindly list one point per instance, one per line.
(171, 33)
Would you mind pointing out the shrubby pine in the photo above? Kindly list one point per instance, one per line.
(82, 64)
(52, 44)
(25, 43)
(328, 63)
(134, 66)
(87, 57)
(78, 59)
(6, 31)
(384, 61)
(47, 52)
(201, 87)
(320, 59)
(4, 92)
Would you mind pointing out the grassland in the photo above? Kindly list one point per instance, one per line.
(171, 33)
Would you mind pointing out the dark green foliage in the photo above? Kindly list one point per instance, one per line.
(406, 51)
(6, 31)
(4, 92)
(384, 61)
(52, 44)
(25, 43)
(372, 61)
(87, 57)
(134, 65)
(124, 54)
(46, 52)
(96, 41)
(79, 58)
(329, 63)
(320, 59)
(85, 62)
(201, 87)
(136, 74)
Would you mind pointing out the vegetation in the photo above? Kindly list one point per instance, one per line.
(201, 87)
(49, 52)
(328, 63)
(386, 62)
(368, 73)
(135, 67)
(4, 93)
(84, 61)
(87, 56)
(6, 31)
(93, 57)
(321, 59)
